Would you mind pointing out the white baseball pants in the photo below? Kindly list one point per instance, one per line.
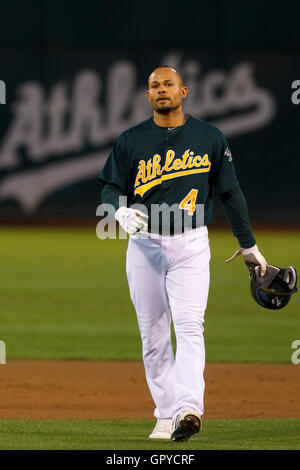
(170, 274)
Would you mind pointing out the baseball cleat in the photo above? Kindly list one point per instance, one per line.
(186, 425)
(162, 429)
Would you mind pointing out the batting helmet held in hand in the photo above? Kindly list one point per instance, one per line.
(274, 289)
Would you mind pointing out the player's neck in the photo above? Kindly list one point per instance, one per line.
(175, 118)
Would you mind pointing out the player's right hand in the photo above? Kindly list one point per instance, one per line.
(132, 220)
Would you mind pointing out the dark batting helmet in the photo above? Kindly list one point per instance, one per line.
(274, 289)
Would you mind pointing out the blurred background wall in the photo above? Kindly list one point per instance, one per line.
(76, 73)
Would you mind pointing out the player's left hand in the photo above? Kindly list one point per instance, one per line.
(252, 257)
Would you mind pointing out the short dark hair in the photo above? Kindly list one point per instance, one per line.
(166, 67)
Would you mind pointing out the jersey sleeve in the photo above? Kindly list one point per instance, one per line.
(115, 170)
(236, 211)
(223, 172)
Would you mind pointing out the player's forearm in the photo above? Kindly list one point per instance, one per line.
(236, 210)
(110, 195)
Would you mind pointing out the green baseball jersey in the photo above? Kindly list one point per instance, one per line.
(182, 166)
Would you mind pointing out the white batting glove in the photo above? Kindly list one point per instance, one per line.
(252, 258)
(131, 220)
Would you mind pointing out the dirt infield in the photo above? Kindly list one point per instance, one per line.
(118, 390)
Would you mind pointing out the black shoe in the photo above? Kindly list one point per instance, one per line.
(189, 424)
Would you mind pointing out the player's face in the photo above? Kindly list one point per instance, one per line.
(165, 90)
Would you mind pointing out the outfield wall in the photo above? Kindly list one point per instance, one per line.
(76, 78)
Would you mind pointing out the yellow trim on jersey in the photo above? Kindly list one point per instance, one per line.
(145, 187)
(152, 169)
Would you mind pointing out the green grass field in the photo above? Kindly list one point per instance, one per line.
(279, 434)
(64, 295)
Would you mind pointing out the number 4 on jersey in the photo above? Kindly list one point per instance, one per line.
(188, 203)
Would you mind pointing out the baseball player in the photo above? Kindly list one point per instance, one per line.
(179, 161)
